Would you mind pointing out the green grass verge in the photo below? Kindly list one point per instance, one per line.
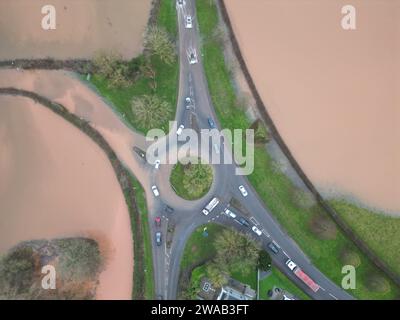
(275, 188)
(148, 257)
(278, 279)
(166, 75)
(247, 278)
(199, 248)
(379, 231)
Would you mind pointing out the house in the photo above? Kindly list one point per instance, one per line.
(232, 290)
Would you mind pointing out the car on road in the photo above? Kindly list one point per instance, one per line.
(169, 209)
(256, 231)
(188, 102)
(243, 222)
(179, 2)
(211, 123)
(158, 238)
(193, 57)
(216, 148)
(157, 163)
(229, 213)
(180, 130)
(273, 247)
(188, 22)
(243, 191)
(291, 265)
(157, 221)
(140, 152)
(155, 191)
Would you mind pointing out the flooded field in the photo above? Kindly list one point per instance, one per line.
(82, 28)
(334, 94)
(55, 182)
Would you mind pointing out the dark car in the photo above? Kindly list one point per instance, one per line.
(168, 209)
(140, 152)
(273, 247)
(243, 222)
(211, 123)
(157, 221)
(158, 238)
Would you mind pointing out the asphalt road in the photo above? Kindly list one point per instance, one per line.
(187, 215)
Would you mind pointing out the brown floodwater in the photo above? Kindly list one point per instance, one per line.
(333, 94)
(82, 28)
(56, 182)
(63, 87)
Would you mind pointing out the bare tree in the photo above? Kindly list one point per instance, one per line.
(150, 110)
(157, 41)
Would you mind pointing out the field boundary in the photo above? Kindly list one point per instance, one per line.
(261, 108)
(81, 66)
(121, 172)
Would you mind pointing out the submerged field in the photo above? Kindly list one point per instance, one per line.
(82, 28)
(333, 94)
(53, 180)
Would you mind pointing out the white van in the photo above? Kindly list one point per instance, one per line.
(210, 206)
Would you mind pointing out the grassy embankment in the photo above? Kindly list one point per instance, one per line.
(275, 189)
(379, 231)
(166, 77)
(148, 278)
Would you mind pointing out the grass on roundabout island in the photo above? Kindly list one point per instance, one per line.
(191, 181)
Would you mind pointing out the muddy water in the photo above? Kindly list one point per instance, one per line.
(333, 94)
(82, 28)
(55, 182)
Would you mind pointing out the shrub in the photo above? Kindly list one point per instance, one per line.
(197, 179)
(80, 258)
(303, 199)
(376, 282)
(151, 111)
(112, 67)
(17, 271)
(264, 260)
(322, 226)
(349, 257)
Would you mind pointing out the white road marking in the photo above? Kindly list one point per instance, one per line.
(322, 288)
(285, 253)
(252, 219)
(333, 296)
(266, 233)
